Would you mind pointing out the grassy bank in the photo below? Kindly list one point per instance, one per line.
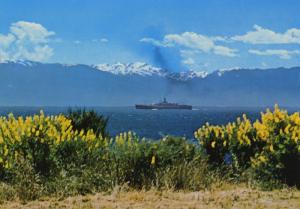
(68, 155)
(232, 197)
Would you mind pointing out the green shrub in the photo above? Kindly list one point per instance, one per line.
(53, 155)
(83, 119)
(270, 146)
(27, 183)
(7, 192)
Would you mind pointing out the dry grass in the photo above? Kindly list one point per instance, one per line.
(220, 198)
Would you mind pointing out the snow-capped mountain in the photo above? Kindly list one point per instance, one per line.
(21, 62)
(137, 68)
(187, 75)
(32, 84)
(220, 72)
(143, 69)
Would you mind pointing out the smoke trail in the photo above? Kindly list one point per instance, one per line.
(167, 58)
(160, 60)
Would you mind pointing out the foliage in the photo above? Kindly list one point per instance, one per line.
(27, 183)
(37, 139)
(270, 146)
(44, 155)
(138, 162)
(52, 155)
(88, 120)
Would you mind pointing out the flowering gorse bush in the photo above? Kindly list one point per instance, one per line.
(270, 146)
(63, 158)
(71, 155)
(38, 138)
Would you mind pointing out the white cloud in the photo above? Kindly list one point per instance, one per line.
(188, 53)
(33, 32)
(77, 42)
(6, 40)
(262, 35)
(225, 51)
(155, 42)
(188, 61)
(281, 53)
(190, 40)
(26, 40)
(38, 53)
(101, 40)
(3, 56)
(193, 41)
(189, 58)
(221, 39)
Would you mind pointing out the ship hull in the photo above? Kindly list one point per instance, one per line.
(159, 107)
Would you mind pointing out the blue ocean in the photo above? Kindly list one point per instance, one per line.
(155, 124)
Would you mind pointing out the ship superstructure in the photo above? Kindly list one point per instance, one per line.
(163, 105)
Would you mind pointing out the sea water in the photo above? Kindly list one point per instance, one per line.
(155, 124)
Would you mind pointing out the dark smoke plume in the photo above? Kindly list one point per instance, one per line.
(160, 60)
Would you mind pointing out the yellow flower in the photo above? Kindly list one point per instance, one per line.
(5, 151)
(213, 144)
(271, 148)
(286, 130)
(6, 165)
(262, 158)
(153, 160)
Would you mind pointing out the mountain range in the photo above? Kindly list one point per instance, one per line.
(26, 83)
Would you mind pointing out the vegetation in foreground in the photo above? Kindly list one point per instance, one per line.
(70, 155)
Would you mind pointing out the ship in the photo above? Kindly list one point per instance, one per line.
(163, 105)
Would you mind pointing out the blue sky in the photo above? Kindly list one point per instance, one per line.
(175, 34)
